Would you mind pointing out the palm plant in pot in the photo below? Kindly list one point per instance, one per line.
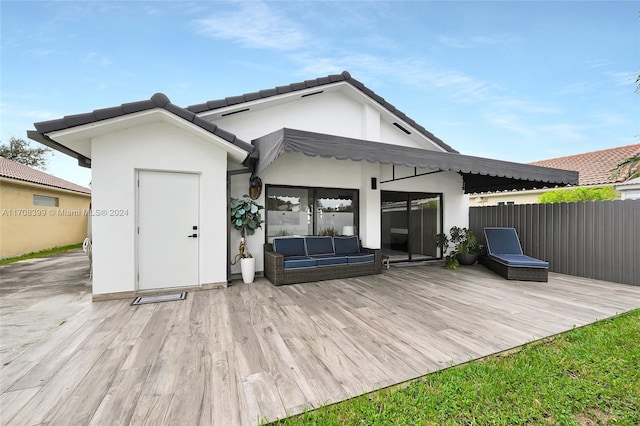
(246, 218)
(466, 247)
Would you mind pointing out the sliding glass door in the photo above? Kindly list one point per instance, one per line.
(410, 222)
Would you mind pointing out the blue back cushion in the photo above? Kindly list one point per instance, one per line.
(502, 241)
(289, 246)
(346, 245)
(319, 245)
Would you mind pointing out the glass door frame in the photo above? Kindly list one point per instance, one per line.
(408, 198)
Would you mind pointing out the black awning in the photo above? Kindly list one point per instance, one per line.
(479, 174)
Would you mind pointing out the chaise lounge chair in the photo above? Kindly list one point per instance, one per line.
(505, 257)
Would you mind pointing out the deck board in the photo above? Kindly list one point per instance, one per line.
(255, 352)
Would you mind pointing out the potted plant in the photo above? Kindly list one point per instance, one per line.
(466, 248)
(246, 218)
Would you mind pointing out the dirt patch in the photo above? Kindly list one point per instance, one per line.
(595, 417)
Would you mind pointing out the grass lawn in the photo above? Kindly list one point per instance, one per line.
(587, 376)
(40, 254)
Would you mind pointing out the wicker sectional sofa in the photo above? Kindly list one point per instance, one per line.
(291, 260)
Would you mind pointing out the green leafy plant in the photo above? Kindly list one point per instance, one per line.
(464, 243)
(246, 218)
(328, 232)
(577, 194)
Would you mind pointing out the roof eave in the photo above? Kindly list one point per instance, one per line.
(47, 141)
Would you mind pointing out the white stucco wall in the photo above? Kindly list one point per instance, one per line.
(158, 146)
(331, 112)
(300, 170)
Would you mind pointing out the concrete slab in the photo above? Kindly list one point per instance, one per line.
(39, 295)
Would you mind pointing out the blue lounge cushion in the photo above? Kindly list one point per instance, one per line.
(330, 259)
(319, 245)
(502, 241)
(360, 258)
(289, 246)
(346, 245)
(295, 262)
(520, 260)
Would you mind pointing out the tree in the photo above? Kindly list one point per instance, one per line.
(629, 168)
(577, 194)
(21, 152)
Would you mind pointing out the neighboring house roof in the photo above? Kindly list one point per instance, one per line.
(630, 182)
(594, 167)
(318, 82)
(15, 171)
(159, 100)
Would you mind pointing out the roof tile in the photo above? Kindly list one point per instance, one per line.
(253, 96)
(220, 103)
(104, 114)
(158, 100)
(138, 106)
(268, 92)
(284, 89)
(11, 170)
(594, 167)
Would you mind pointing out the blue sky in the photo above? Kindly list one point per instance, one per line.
(517, 81)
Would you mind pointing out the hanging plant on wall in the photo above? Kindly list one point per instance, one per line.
(246, 218)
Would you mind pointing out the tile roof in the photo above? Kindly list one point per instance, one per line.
(318, 82)
(159, 100)
(594, 167)
(11, 170)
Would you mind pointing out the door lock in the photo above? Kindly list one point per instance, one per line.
(192, 236)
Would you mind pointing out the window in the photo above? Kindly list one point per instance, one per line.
(508, 203)
(43, 200)
(310, 211)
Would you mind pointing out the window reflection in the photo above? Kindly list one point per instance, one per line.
(296, 211)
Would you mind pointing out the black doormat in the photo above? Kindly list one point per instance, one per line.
(143, 300)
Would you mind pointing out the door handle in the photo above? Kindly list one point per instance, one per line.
(192, 236)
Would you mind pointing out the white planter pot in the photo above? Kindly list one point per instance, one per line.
(248, 267)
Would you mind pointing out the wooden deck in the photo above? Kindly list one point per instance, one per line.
(254, 352)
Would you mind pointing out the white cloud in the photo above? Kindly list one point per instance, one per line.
(97, 59)
(254, 25)
(454, 42)
(564, 132)
(610, 119)
(478, 40)
(411, 71)
(622, 78)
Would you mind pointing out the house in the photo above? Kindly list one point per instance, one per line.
(594, 168)
(329, 152)
(629, 190)
(39, 211)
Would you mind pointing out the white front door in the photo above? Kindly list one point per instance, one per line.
(168, 229)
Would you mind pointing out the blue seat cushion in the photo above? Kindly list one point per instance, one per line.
(520, 260)
(330, 259)
(289, 246)
(319, 245)
(295, 262)
(502, 241)
(360, 257)
(346, 245)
